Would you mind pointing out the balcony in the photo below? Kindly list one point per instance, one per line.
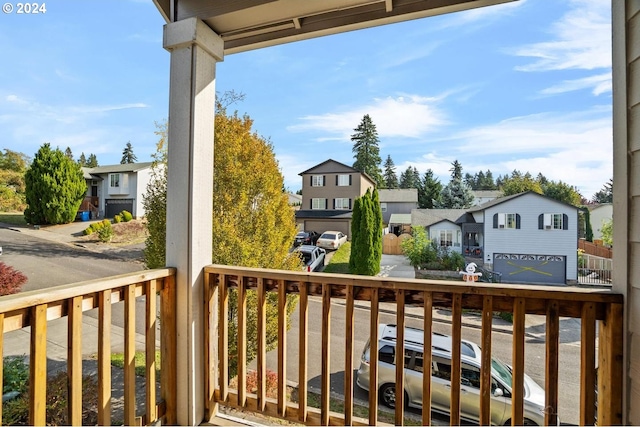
(33, 312)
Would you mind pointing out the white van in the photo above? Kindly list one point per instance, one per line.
(534, 395)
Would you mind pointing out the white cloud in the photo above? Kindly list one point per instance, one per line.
(581, 40)
(600, 83)
(403, 116)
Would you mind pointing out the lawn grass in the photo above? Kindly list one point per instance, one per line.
(340, 260)
(117, 360)
(13, 218)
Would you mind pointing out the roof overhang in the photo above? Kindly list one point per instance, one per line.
(252, 24)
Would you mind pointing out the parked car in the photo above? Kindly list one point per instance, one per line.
(501, 378)
(312, 256)
(331, 240)
(306, 238)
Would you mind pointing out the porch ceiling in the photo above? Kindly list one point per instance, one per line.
(252, 24)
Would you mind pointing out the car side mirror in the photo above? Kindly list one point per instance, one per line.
(498, 392)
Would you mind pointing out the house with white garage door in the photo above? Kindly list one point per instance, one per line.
(114, 188)
(529, 238)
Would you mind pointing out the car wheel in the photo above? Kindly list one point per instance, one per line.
(388, 395)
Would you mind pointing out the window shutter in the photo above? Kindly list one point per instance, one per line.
(311, 204)
(495, 220)
(334, 203)
(324, 180)
(349, 199)
(349, 179)
(311, 180)
(565, 222)
(540, 221)
(337, 176)
(518, 221)
(326, 203)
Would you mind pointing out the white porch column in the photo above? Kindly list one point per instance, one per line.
(195, 50)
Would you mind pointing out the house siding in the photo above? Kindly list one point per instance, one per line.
(598, 216)
(626, 190)
(397, 208)
(434, 234)
(529, 239)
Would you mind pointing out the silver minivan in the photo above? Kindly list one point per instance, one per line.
(501, 381)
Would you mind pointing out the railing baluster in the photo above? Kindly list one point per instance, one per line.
(517, 400)
(282, 348)
(373, 358)
(485, 367)
(129, 354)
(611, 338)
(426, 363)
(262, 342)
(223, 339)
(168, 373)
(302, 355)
(551, 363)
(104, 358)
(348, 357)
(242, 342)
(74, 360)
(150, 350)
(456, 373)
(38, 366)
(211, 342)
(588, 364)
(399, 410)
(325, 392)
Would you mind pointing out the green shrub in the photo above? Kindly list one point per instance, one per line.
(126, 216)
(105, 233)
(117, 219)
(15, 374)
(87, 231)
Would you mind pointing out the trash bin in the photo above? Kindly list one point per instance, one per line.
(85, 216)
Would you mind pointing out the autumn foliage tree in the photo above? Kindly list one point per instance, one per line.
(253, 225)
(55, 187)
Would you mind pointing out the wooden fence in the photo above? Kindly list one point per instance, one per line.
(391, 243)
(594, 249)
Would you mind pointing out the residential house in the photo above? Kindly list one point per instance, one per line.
(442, 225)
(328, 192)
(114, 188)
(599, 215)
(397, 201)
(484, 196)
(528, 237)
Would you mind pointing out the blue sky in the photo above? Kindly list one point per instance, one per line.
(525, 85)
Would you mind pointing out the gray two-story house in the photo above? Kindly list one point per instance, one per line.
(328, 192)
(397, 201)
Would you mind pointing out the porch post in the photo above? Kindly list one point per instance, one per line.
(195, 49)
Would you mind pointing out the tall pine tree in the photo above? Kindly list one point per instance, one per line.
(127, 154)
(366, 150)
(390, 177)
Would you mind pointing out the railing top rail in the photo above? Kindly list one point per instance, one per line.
(439, 286)
(23, 300)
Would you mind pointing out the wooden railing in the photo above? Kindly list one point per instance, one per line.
(592, 307)
(37, 308)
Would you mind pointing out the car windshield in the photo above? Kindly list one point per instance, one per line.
(502, 371)
(301, 234)
(328, 236)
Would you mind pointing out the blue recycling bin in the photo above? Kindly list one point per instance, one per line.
(85, 216)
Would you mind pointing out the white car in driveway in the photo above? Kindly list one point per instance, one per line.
(331, 240)
(312, 257)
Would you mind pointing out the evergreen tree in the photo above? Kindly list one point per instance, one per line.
(390, 177)
(486, 182)
(356, 218)
(92, 162)
(376, 244)
(431, 189)
(82, 161)
(471, 180)
(366, 149)
(55, 187)
(366, 235)
(253, 225)
(410, 178)
(456, 194)
(605, 195)
(68, 153)
(127, 154)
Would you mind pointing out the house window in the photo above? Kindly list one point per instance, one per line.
(317, 180)
(506, 220)
(114, 180)
(446, 237)
(342, 203)
(318, 203)
(343, 180)
(383, 206)
(553, 221)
